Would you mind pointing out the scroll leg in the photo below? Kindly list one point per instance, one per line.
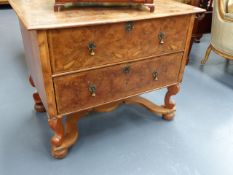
(207, 54)
(39, 107)
(64, 137)
(169, 103)
(58, 137)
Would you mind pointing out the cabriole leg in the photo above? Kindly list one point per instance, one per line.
(207, 54)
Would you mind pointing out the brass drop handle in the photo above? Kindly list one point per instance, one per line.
(161, 37)
(129, 26)
(92, 89)
(91, 47)
(126, 69)
(155, 76)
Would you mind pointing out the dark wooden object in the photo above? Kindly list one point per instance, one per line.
(203, 21)
(202, 25)
(59, 4)
(92, 62)
(39, 107)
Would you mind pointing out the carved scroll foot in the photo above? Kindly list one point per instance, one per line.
(38, 106)
(207, 54)
(169, 103)
(59, 153)
(64, 137)
(169, 117)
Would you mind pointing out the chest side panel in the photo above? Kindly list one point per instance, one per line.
(38, 62)
(33, 61)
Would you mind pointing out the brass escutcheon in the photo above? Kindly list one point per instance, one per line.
(92, 89)
(126, 69)
(161, 37)
(129, 26)
(91, 47)
(155, 76)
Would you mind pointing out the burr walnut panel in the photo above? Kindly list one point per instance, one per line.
(96, 46)
(92, 88)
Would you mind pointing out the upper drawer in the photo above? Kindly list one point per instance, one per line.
(96, 46)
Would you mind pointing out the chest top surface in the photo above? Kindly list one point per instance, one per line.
(40, 14)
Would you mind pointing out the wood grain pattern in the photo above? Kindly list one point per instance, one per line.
(167, 109)
(32, 56)
(125, 64)
(40, 15)
(59, 132)
(69, 135)
(72, 92)
(37, 58)
(47, 72)
(38, 106)
(114, 44)
(169, 103)
(187, 47)
(65, 134)
(150, 106)
(4, 2)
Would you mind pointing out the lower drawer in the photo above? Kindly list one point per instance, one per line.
(95, 87)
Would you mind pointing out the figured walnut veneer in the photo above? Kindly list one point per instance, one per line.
(131, 52)
(69, 47)
(113, 84)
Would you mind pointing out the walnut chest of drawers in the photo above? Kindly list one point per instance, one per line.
(95, 59)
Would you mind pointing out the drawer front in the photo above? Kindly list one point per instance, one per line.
(95, 46)
(91, 88)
